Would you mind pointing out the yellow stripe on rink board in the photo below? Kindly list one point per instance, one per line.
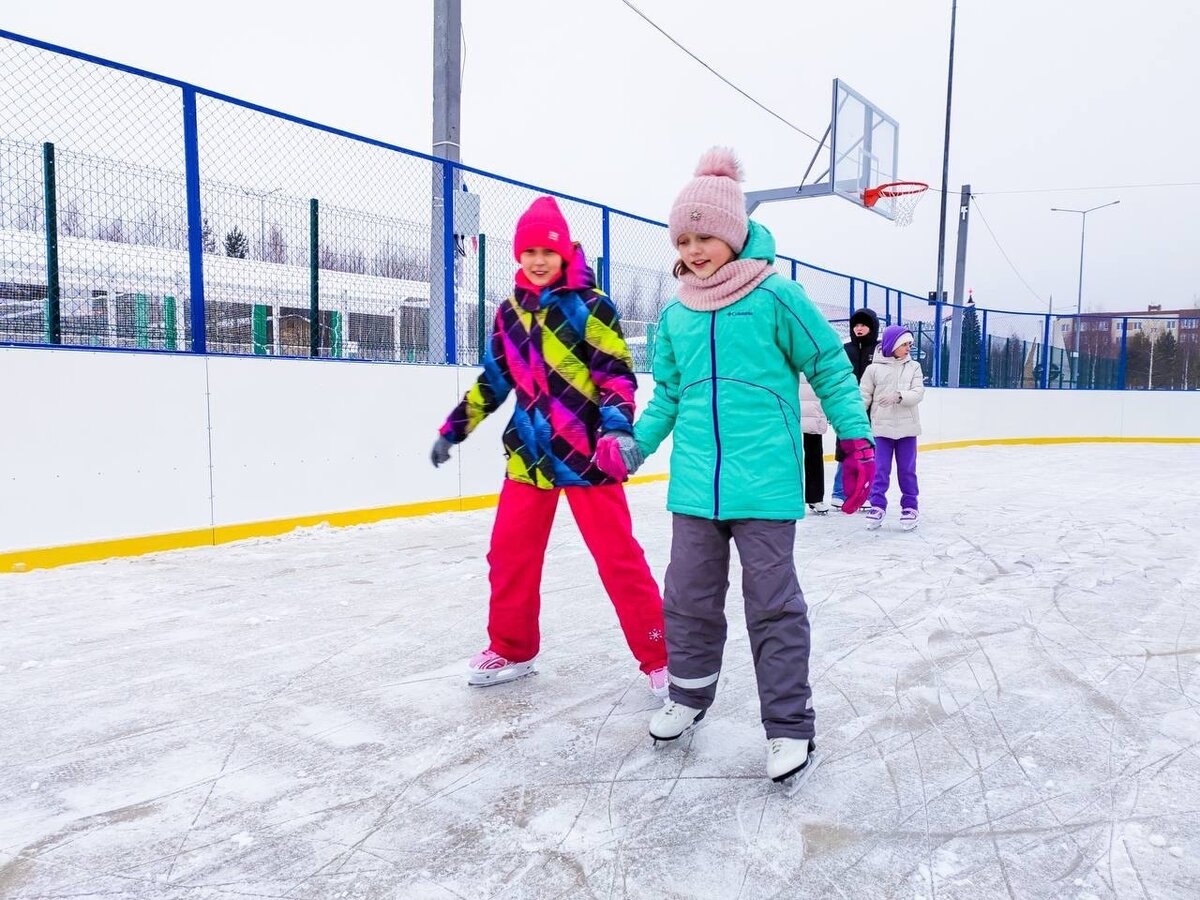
(51, 557)
(986, 442)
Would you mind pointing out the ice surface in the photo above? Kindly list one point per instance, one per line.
(1008, 705)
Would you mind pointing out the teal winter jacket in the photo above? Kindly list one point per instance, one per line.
(726, 384)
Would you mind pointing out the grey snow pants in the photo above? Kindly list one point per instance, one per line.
(776, 617)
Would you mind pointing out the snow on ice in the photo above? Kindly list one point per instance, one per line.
(1008, 705)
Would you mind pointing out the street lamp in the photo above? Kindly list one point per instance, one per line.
(1082, 234)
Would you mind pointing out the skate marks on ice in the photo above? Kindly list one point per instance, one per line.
(1008, 704)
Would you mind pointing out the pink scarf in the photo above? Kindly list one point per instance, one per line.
(727, 285)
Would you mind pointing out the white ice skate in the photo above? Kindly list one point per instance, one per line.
(819, 509)
(908, 519)
(673, 720)
(488, 668)
(787, 757)
(874, 518)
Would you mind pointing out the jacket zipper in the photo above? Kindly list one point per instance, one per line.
(712, 339)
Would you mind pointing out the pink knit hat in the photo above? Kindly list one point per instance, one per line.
(543, 225)
(712, 202)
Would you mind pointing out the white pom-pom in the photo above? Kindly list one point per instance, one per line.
(719, 161)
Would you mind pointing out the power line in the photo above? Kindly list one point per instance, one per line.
(983, 218)
(1102, 187)
(1067, 190)
(757, 103)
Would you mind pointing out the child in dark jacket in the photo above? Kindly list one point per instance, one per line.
(557, 342)
(864, 338)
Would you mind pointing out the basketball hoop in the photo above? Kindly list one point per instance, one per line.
(905, 195)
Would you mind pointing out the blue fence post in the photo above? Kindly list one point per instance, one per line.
(936, 379)
(852, 298)
(195, 220)
(1045, 354)
(984, 347)
(605, 249)
(794, 278)
(899, 307)
(448, 298)
(866, 301)
(1122, 365)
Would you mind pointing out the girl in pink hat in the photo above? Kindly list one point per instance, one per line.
(727, 359)
(557, 344)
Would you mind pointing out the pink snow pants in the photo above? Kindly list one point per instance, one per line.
(518, 549)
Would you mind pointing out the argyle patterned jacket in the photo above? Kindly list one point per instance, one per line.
(560, 348)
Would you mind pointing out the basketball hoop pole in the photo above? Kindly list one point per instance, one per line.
(755, 198)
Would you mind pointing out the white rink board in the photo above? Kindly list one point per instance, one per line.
(102, 445)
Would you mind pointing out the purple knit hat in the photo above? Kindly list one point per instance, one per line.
(893, 337)
(712, 202)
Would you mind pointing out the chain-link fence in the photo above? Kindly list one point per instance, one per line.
(140, 212)
(1157, 350)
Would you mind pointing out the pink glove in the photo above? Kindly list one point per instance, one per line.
(618, 455)
(858, 471)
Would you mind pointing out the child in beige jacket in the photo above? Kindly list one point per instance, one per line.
(892, 387)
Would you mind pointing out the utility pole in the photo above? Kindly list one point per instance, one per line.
(447, 95)
(960, 277)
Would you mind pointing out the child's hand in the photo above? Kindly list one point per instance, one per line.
(858, 471)
(889, 399)
(618, 455)
(440, 452)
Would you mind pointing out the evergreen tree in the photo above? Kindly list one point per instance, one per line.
(1165, 372)
(972, 338)
(207, 238)
(236, 243)
(1137, 360)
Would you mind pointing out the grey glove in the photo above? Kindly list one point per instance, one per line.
(631, 453)
(441, 451)
(618, 455)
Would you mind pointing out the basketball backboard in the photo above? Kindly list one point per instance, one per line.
(864, 147)
(861, 149)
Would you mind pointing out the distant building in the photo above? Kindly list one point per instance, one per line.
(1105, 328)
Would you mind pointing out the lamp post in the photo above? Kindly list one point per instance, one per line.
(1082, 235)
(941, 258)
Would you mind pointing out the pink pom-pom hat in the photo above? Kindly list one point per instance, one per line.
(712, 202)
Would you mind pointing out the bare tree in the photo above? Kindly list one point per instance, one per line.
(276, 249)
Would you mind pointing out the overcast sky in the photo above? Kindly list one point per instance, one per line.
(586, 98)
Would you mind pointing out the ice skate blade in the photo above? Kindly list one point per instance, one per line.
(792, 782)
(675, 737)
(512, 673)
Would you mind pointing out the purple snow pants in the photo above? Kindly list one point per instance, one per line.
(905, 451)
(776, 617)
